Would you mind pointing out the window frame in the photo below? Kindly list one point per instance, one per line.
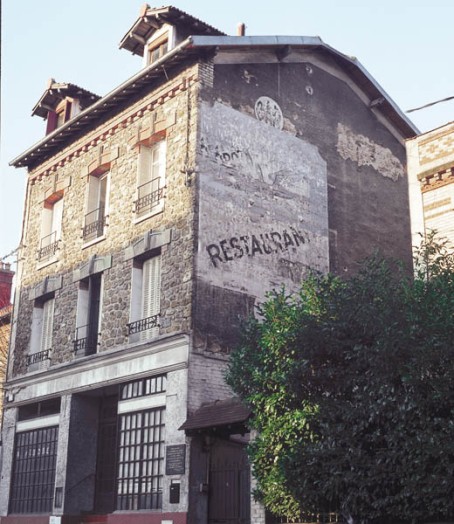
(34, 471)
(144, 314)
(97, 201)
(150, 171)
(140, 480)
(51, 228)
(89, 315)
(41, 333)
(158, 47)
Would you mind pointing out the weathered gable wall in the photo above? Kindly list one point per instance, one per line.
(296, 172)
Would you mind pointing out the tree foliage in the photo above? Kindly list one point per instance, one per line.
(351, 385)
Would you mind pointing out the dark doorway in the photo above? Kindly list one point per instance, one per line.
(230, 491)
(107, 460)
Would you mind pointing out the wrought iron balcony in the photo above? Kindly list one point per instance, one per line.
(48, 246)
(143, 325)
(85, 341)
(94, 224)
(37, 358)
(150, 195)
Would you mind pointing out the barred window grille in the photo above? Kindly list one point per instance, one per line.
(33, 477)
(141, 460)
(143, 387)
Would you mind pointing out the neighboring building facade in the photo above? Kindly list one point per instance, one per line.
(6, 309)
(431, 182)
(156, 218)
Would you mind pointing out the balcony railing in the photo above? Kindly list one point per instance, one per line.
(94, 224)
(48, 246)
(85, 341)
(37, 358)
(143, 325)
(150, 195)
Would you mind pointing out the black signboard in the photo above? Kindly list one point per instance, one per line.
(175, 459)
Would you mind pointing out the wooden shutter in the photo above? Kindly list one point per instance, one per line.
(47, 324)
(151, 291)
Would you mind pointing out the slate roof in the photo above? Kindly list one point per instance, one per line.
(220, 414)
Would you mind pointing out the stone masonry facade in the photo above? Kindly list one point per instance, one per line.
(172, 111)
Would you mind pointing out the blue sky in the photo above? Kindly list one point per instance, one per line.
(406, 45)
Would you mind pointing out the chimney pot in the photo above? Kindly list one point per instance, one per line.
(241, 29)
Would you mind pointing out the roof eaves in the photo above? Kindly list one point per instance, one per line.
(98, 108)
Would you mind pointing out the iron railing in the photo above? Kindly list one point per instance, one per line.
(37, 358)
(85, 341)
(150, 195)
(94, 224)
(48, 246)
(143, 325)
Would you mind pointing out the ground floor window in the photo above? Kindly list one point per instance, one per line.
(141, 460)
(34, 471)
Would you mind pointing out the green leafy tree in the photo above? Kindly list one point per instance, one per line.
(351, 385)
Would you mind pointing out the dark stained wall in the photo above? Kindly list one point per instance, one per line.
(338, 180)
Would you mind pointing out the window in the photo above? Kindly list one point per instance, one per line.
(41, 336)
(151, 179)
(141, 445)
(88, 319)
(158, 48)
(50, 228)
(33, 476)
(145, 299)
(97, 207)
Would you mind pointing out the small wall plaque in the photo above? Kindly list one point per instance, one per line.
(175, 459)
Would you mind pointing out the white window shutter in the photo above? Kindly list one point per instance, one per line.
(93, 185)
(151, 291)
(144, 165)
(47, 324)
(57, 214)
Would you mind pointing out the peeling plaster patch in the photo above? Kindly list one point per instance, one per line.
(248, 77)
(364, 152)
(268, 111)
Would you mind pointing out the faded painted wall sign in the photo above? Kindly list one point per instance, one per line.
(268, 111)
(236, 247)
(263, 199)
(364, 152)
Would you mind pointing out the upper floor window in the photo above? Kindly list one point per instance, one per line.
(145, 299)
(41, 335)
(51, 222)
(150, 179)
(97, 207)
(88, 318)
(158, 48)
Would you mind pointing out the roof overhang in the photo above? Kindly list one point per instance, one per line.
(56, 91)
(151, 20)
(227, 416)
(192, 48)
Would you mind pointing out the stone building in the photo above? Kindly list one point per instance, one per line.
(431, 182)
(6, 308)
(157, 216)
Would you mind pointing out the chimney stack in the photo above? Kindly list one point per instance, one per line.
(241, 29)
(6, 282)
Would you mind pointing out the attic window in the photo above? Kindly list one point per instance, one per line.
(158, 48)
